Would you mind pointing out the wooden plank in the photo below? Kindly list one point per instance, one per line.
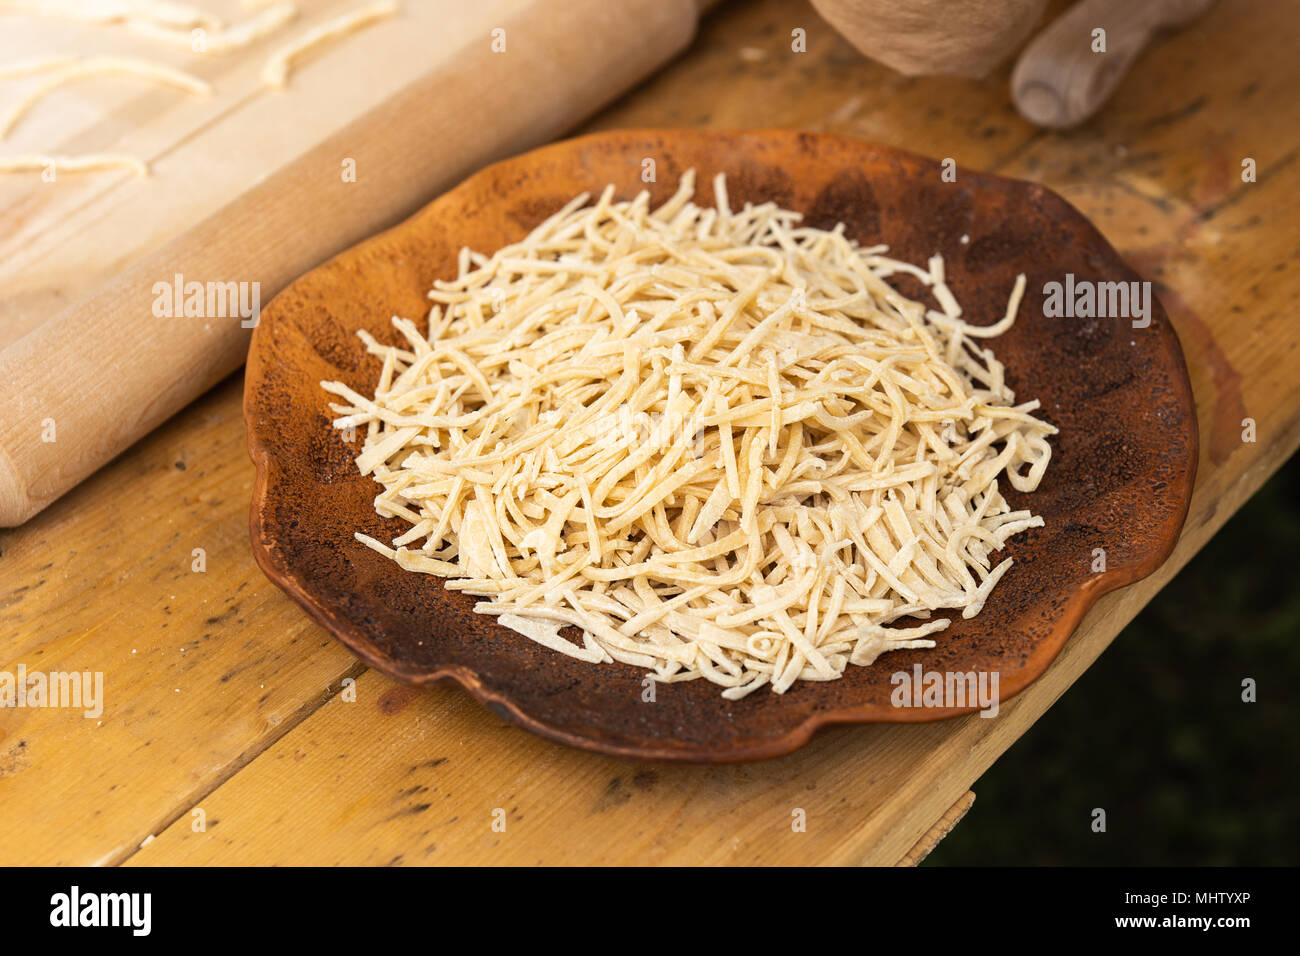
(402, 776)
(201, 668)
(289, 779)
(953, 816)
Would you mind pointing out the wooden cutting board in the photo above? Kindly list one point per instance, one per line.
(252, 186)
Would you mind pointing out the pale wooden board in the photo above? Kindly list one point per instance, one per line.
(201, 669)
(59, 240)
(561, 61)
(930, 839)
(1172, 201)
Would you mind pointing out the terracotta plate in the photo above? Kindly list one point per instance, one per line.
(1120, 478)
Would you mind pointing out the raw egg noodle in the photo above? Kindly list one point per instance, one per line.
(717, 443)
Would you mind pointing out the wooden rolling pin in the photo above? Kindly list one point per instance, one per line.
(92, 380)
(1059, 80)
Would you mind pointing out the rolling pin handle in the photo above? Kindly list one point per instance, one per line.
(1060, 80)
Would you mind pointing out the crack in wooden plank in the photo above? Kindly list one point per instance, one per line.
(234, 766)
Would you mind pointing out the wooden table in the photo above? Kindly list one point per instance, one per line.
(236, 731)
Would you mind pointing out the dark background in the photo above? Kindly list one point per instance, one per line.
(1156, 733)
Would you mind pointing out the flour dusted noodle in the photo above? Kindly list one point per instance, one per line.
(99, 66)
(275, 73)
(90, 162)
(267, 20)
(716, 442)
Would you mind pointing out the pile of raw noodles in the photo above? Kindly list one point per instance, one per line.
(716, 442)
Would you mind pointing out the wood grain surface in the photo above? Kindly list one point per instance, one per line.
(223, 698)
(392, 117)
(63, 242)
(930, 839)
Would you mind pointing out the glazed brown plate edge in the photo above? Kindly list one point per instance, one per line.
(760, 165)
